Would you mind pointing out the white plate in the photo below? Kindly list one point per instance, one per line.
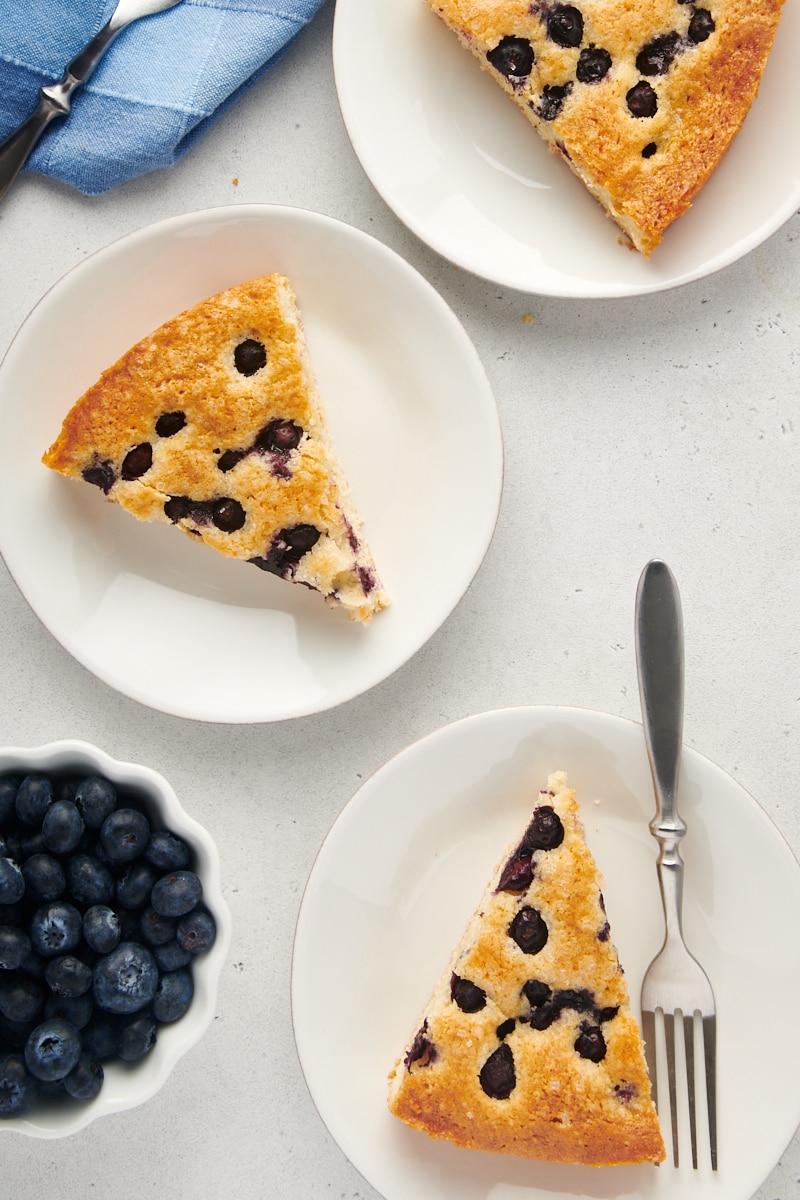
(173, 624)
(402, 870)
(462, 168)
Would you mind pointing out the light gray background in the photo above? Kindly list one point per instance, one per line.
(664, 426)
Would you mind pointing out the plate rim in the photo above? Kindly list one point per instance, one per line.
(568, 289)
(452, 729)
(459, 341)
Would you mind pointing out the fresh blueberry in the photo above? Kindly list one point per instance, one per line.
(15, 946)
(88, 881)
(173, 996)
(21, 998)
(101, 928)
(124, 834)
(85, 1079)
(8, 795)
(14, 1034)
(66, 787)
(12, 883)
(176, 894)
(172, 956)
(197, 931)
(166, 852)
(55, 928)
(96, 799)
(136, 1037)
(30, 845)
(44, 877)
(126, 979)
(67, 976)
(497, 1075)
(77, 1010)
(18, 1088)
(135, 884)
(34, 797)
(62, 827)
(156, 929)
(100, 1035)
(53, 1049)
(34, 966)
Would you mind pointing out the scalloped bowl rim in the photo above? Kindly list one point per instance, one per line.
(127, 1087)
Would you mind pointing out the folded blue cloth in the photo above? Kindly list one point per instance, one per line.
(162, 83)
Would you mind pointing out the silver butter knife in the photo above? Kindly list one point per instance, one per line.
(56, 99)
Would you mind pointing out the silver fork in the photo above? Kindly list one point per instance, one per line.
(55, 100)
(675, 985)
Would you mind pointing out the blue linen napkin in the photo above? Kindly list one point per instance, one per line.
(162, 83)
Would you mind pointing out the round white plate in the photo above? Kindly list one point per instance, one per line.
(463, 169)
(171, 623)
(402, 870)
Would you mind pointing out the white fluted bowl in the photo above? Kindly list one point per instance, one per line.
(128, 1085)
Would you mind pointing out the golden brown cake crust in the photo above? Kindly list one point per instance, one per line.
(225, 450)
(562, 1107)
(644, 169)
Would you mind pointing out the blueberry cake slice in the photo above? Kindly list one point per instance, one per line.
(528, 1045)
(215, 423)
(641, 98)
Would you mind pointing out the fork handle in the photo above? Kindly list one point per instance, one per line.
(55, 100)
(659, 658)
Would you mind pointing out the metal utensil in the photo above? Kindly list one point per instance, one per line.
(675, 985)
(56, 99)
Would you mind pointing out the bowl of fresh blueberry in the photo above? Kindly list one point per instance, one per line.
(113, 934)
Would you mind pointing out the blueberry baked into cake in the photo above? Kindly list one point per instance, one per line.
(528, 1045)
(215, 423)
(641, 98)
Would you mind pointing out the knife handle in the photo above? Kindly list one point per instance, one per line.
(55, 100)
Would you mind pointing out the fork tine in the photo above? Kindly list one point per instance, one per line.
(710, 1056)
(688, 1037)
(649, 1037)
(669, 1037)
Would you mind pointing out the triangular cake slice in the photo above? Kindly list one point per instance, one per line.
(214, 423)
(641, 98)
(528, 1045)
